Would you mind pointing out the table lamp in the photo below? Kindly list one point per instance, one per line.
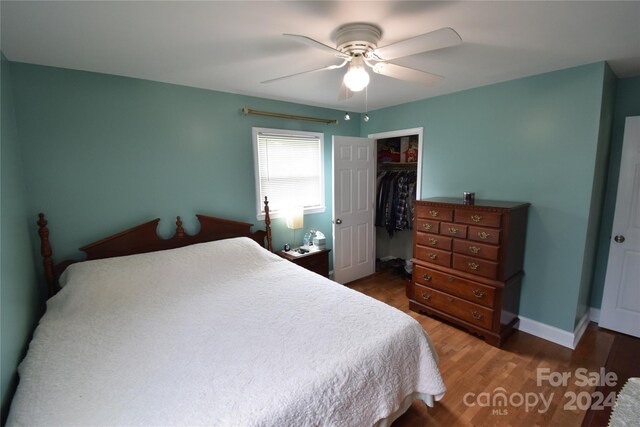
(295, 220)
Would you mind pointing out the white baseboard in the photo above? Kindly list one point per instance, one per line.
(547, 332)
(594, 314)
(580, 328)
(553, 334)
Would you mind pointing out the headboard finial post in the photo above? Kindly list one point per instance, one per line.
(46, 252)
(179, 229)
(267, 222)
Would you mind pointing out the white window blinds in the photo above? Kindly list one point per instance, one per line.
(289, 169)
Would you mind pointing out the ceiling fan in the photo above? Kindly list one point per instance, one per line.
(357, 47)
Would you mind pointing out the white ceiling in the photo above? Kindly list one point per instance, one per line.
(232, 46)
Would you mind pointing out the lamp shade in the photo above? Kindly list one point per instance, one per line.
(295, 218)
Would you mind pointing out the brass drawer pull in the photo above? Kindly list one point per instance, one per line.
(451, 278)
(434, 213)
(478, 293)
(474, 249)
(426, 226)
(483, 235)
(477, 315)
(433, 256)
(433, 241)
(450, 299)
(426, 296)
(476, 218)
(473, 265)
(453, 230)
(426, 277)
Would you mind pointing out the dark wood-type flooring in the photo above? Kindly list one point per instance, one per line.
(624, 360)
(469, 365)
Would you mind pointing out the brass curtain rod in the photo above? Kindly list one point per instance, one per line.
(288, 116)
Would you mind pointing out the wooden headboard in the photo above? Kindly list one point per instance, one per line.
(144, 238)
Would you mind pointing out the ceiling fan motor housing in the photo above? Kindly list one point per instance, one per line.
(357, 39)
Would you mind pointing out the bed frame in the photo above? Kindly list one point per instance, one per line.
(144, 238)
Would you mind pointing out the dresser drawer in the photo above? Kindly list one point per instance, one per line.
(318, 265)
(484, 235)
(434, 212)
(427, 225)
(475, 249)
(476, 266)
(435, 256)
(471, 291)
(316, 261)
(454, 230)
(433, 240)
(487, 219)
(454, 306)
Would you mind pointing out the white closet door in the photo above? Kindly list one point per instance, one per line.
(620, 309)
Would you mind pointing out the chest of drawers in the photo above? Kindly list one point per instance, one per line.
(468, 263)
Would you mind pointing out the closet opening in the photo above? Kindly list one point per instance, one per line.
(398, 177)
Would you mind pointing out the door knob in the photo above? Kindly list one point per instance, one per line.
(338, 221)
(619, 238)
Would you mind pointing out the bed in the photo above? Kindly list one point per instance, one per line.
(214, 329)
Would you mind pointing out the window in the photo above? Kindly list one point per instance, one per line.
(289, 170)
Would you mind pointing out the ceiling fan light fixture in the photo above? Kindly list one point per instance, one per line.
(357, 77)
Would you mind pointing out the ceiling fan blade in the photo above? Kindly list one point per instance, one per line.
(330, 67)
(344, 93)
(438, 39)
(407, 74)
(314, 43)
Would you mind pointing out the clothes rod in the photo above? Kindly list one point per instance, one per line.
(287, 116)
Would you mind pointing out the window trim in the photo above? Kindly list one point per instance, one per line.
(256, 167)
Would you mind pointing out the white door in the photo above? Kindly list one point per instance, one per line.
(620, 309)
(353, 208)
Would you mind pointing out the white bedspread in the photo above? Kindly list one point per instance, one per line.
(221, 333)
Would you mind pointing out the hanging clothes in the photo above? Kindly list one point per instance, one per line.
(396, 194)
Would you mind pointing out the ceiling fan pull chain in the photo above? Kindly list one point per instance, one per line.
(366, 104)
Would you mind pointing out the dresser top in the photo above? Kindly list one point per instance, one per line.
(481, 203)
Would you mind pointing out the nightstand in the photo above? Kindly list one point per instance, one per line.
(316, 261)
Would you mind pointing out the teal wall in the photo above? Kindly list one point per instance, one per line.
(105, 153)
(597, 192)
(533, 139)
(19, 307)
(627, 103)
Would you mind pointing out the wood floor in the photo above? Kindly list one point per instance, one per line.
(469, 365)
